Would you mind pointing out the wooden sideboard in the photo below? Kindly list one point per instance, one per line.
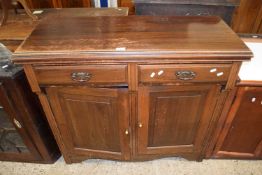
(132, 88)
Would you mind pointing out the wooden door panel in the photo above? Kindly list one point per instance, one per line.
(98, 112)
(242, 135)
(170, 123)
(92, 121)
(174, 119)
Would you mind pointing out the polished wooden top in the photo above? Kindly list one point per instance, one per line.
(133, 37)
(19, 26)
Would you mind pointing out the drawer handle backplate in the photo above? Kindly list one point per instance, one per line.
(81, 76)
(185, 75)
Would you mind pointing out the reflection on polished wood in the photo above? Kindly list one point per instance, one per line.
(151, 37)
(19, 26)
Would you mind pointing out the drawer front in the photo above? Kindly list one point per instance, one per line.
(184, 73)
(81, 74)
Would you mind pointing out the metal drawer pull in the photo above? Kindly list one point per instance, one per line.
(17, 123)
(81, 76)
(185, 75)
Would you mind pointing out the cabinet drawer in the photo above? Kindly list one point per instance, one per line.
(184, 73)
(81, 74)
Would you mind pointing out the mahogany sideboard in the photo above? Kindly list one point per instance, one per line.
(135, 87)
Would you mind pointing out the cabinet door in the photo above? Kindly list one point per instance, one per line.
(241, 136)
(174, 119)
(93, 122)
(15, 142)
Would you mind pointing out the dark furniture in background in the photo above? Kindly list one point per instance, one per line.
(248, 17)
(244, 16)
(141, 88)
(34, 4)
(241, 135)
(223, 8)
(6, 4)
(24, 133)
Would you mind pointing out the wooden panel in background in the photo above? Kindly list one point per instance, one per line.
(258, 23)
(75, 3)
(129, 4)
(34, 4)
(241, 136)
(248, 17)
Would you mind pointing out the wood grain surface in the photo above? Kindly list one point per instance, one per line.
(175, 37)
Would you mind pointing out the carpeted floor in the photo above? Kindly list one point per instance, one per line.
(167, 166)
